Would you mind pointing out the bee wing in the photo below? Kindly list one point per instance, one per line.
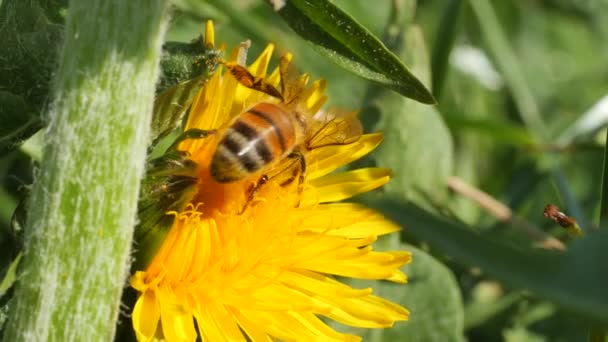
(334, 127)
(286, 171)
(292, 84)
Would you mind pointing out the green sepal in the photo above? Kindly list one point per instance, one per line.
(193, 133)
(169, 184)
(186, 69)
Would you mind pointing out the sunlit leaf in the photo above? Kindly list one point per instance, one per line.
(417, 144)
(431, 295)
(339, 37)
(433, 298)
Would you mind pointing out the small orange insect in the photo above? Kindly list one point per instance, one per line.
(268, 133)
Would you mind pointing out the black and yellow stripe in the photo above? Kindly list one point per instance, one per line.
(258, 137)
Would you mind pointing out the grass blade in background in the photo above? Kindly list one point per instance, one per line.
(444, 43)
(339, 37)
(507, 63)
(604, 194)
(525, 101)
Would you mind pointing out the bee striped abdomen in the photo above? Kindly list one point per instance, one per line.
(258, 137)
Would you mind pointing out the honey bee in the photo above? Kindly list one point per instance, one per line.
(269, 133)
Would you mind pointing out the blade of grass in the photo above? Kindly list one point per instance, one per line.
(446, 35)
(524, 99)
(604, 194)
(507, 63)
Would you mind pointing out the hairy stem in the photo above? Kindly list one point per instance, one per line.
(83, 204)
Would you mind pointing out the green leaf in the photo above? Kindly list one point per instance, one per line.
(562, 277)
(418, 176)
(17, 121)
(480, 311)
(339, 37)
(509, 65)
(29, 41)
(517, 334)
(497, 130)
(446, 36)
(511, 70)
(604, 193)
(431, 295)
(433, 298)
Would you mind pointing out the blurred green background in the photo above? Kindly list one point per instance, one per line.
(521, 87)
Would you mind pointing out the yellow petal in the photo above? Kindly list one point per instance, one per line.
(251, 328)
(266, 273)
(146, 314)
(344, 219)
(367, 312)
(322, 284)
(217, 324)
(209, 35)
(336, 187)
(260, 65)
(327, 159)
(314, 97)
(177, 323)
(299, 326)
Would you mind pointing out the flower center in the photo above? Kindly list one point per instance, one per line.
(212, 197)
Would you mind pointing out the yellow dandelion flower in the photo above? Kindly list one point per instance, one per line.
(268, 272)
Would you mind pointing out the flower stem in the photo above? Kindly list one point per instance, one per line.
(83, 204)
(604, 194)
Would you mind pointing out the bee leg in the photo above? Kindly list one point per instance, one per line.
(244, 77)
(252, 191)
(298, 172)
(300, 156)
(193, 133)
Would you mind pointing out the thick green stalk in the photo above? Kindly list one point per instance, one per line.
(83, 205)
